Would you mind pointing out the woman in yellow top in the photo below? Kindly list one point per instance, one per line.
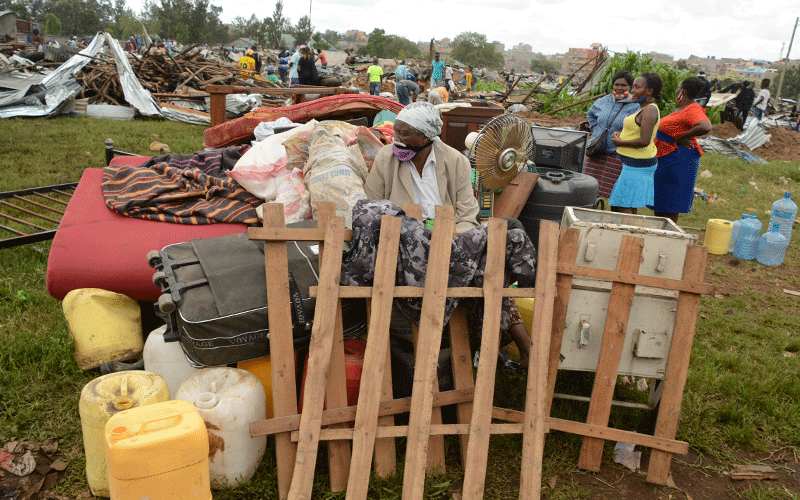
(636, 148)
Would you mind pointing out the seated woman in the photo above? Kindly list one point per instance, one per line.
(420, 168)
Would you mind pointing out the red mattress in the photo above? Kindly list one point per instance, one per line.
(97, 248)
(335, 107)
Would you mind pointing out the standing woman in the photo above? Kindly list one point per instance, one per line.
(634, 187)
(609, 113)
(306, 69)
(678, 152)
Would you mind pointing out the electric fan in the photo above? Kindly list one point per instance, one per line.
(502, 148)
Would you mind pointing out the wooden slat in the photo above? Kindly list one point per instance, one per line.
(637, 279)
(385, 450)
(436, 458)
(322, 338)
(607, 433)
(616, 326)
(461, 356)
(536, 393)
(567, 253)
(510, 202)
(677, 364)
(402, 431)
(478, 447)
(339, 415)
(375, 357)
(431, 322)
(291, 233)
(336, 389)
(281, 345)
(406, 292)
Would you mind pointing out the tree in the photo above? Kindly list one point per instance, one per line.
(681, 65)
(374, 46)
(52, 25)
(333, 37)
(319, 42)
(248, 28)
(543, 66)
(275, 25)
(303, 31)
(472, 49)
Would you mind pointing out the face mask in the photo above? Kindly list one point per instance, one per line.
(620, 95)
(641, 100)
(678, 98)
(407, 153)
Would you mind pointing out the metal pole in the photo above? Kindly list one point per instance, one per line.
(786, 63)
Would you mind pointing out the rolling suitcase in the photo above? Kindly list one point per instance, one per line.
(215, 298)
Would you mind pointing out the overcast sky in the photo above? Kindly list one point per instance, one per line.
(748, 29)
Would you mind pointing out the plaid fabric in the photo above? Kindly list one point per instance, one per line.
(606, 169)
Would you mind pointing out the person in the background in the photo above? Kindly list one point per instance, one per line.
(401, 72)
(636, 149)
(437, 71)
(306, 69)
(404, 89)
(705, 94)
(510, 79)
(745, 98)
(36, 39)
(609, 113)
(130, 45)
(762, 100)
(253, 52)
(294, 79)
(283, 65)
(375, 73)
(679, 153)
(448, 76)
(468, 78)
(438, 95)
(271, 76)
(248, 66)
(322, 58)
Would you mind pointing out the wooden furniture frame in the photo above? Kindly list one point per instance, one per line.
(374, 429)
(624, 279)
(298, 93)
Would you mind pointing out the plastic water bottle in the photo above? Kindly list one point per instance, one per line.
(783, 213)
(734, 233)
(772, 246)
(747, 240)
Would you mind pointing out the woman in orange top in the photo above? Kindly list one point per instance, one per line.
(678, 152)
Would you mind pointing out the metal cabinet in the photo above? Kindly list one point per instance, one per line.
(649, 331)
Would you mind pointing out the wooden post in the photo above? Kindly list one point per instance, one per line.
(281, 345)
(616, 326)
(680, 350)
(427, 357)
(478, 447)
(536, 407)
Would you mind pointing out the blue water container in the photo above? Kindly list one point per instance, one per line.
(734, 232)
(784, 212)
(772, 246)
(747, 239)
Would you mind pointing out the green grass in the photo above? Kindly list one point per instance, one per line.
(742, 393)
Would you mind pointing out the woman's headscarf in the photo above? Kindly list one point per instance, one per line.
(424, 117)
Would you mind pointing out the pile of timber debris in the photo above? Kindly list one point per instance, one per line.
(163, 74)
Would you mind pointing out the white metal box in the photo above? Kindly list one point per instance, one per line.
(653, 310)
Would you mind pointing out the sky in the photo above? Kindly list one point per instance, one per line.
(748, 29)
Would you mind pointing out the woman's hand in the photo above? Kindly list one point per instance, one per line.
(615, 139)
(684, 141)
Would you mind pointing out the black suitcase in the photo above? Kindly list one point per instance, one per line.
(214, 293)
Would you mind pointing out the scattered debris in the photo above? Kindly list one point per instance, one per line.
(705, 174)
(789, 354)
(791, 292)
(752, 472)
(624, 454)
(159, 146)
(30, 470)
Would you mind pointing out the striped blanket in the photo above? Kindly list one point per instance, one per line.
(182, 195)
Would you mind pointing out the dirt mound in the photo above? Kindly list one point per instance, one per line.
(725, 131)
(571, 121)
(783, 145)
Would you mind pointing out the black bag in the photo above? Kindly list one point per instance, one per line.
(597, 144)
(215, 295)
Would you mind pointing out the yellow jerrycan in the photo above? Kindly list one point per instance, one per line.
(104, 397)
(158, 452)
(106, 326)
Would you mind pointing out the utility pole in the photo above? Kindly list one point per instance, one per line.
(786, 63)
